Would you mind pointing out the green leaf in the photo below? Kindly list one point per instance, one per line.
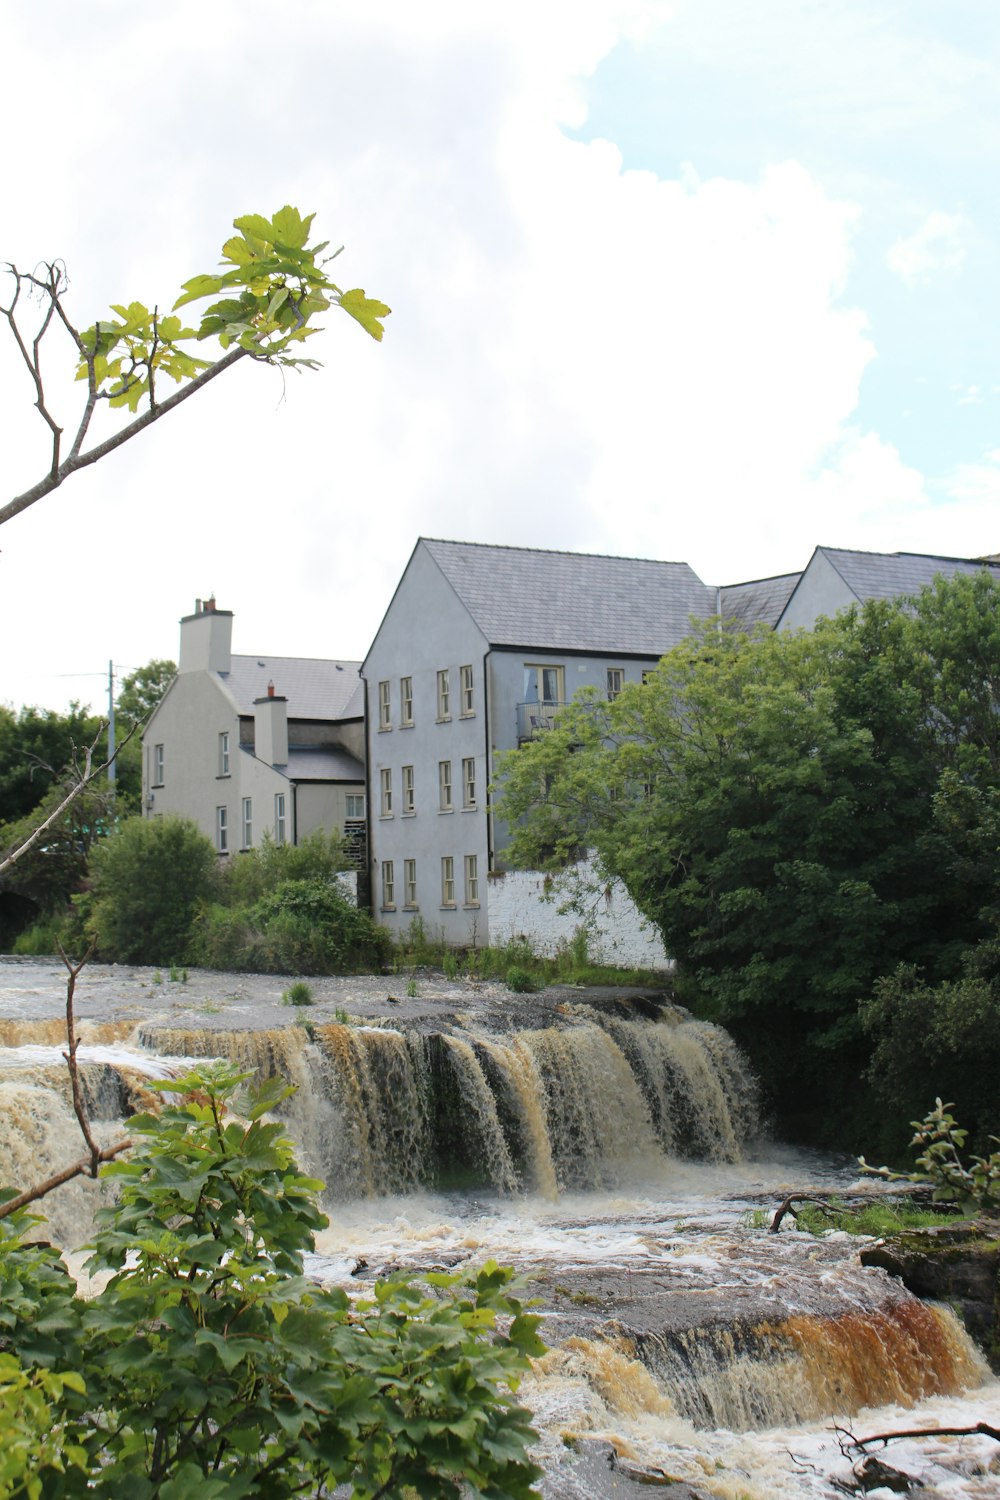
(366, 311)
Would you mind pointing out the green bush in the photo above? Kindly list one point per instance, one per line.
(298, 993)
(258, 872)
(301, 927)
(149, 879)
(209, 1366)
(520, 981)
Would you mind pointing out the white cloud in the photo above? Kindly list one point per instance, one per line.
(579, 356)
(939, 245)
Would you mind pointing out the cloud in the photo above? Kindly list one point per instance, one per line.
(579, 356)
(939, 245)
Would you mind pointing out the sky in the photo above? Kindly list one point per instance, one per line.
(694, 280)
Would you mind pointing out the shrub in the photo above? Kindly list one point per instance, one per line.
(258, 872)
(520, 981)
(298, 993)
(149, 880)
(301, 927)
(208, 1366)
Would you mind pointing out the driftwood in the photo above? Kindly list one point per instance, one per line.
(90, 1164)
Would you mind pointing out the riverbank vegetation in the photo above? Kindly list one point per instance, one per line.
(209, 1365)
(812, 823)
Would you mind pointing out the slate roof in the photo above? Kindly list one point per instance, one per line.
(886, 575)
(315, 688)
(571, 601)
(311, 764)
(759, 602)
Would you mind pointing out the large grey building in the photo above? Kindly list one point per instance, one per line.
(479, 647)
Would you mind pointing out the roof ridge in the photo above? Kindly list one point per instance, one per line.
(929, 556)
(343, 661)
(558, 552)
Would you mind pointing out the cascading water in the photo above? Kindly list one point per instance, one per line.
(598, 1146)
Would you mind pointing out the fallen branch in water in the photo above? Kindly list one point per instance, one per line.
(787, 1207)
(981, 1429)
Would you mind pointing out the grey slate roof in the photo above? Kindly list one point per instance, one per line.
(759, 602)
(886, 575)
(323, 765)
(315, 689)
(566, 601)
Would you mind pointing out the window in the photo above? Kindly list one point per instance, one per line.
(385, 782)
(222, 829)
(444, 785)
(544, 684)
(447, 881)
(157, 765)
(247, 823)
(616, 681)
(384, 706)
(355, 805)
(469, 782)
(279, 818)
(406, 701)
(388, 886)
(409, 806)
(472, 880)
(468, 706)
(224, 753)
(444, 694)
(409, 882)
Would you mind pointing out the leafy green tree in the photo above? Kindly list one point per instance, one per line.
(149, 879)
(210, 1366)
(142, 690)
(769, 803)
(38, 746)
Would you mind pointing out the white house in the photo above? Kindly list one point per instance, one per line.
(253, 745)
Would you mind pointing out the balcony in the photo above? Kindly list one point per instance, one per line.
(534, 718)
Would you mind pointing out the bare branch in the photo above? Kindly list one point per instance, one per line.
(79, 1108)
(78, 1169)
(981, 1429)
(77, 461)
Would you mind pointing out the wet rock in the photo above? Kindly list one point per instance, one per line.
(954, 1263)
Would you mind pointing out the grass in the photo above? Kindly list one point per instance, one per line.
(420, 947)
(298, 993)
(875, 1218)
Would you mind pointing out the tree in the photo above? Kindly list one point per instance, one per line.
(265, 301)
(142, 690)
(769, 803)
(148, 880)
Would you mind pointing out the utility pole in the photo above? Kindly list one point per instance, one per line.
(112, 764)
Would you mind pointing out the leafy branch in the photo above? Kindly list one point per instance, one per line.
(975, 1187)
(272, 286)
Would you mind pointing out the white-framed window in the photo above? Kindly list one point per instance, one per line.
(444, 693)
(247, 829)
(224, 753)
(280, 833)
(406, 701)
(472, 880)
(385, 787)
(355, 807)
(409, 882)
(384, 705)
(157, 765)
(447, 881)
(469, 781)
(468, 706)
(616, 681)
(544, 684)
(444, 785)
(388, 886)
(222, 829)
(409, 803)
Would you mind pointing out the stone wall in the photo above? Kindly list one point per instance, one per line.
(522, 903)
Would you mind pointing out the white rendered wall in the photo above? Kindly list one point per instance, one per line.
(616, 933)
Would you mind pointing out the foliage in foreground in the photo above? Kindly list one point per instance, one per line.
(209, 1365)
(974, 1185)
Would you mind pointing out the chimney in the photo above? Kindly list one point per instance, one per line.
(270, 728)
(207, 639)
